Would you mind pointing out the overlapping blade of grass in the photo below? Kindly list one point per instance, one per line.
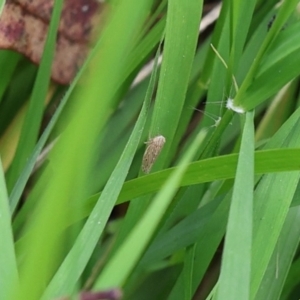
(11, 113)
(88, 117)
(2, 2)
(93, 228)
(292, 281)
(215, 77)
(135, 244)
(34, 114)
(8, 62)
(257, 35)
(273, 198)
(183, 20)
(285, 11)
(208, 238)
(116, 135)
(269, 220)
(234, 281)
(241, 15)
(181, 33)
(279, 139)
(8, 263)
(283, 60)
(217, 168)
(191, 100)
(137, 56)
(282, 257)
(182, 235)
(146, 46)
(19, 186)
(277, 113)
(188, 269)
(24, 176)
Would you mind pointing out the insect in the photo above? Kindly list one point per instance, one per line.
(154, 146)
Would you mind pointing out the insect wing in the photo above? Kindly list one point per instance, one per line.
(154, 147)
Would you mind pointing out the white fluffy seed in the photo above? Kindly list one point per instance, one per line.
(237, 109)
(154, 146)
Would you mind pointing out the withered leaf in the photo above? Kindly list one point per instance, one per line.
(24, 25)
(78, 16)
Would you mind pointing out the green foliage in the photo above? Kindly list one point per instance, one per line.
(216, 218)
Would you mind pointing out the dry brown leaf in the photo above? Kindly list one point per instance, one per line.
(25, 31)
(78, 16)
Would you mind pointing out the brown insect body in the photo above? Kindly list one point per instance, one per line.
(154, 147)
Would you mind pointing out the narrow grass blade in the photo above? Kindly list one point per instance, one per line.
(188, 269)
(241, 15)
(181, 32)
(207, 170)
(183, 20)
(117, 270)
(2, 3)
(69, 181)
(285, 11)
(8, 62)
(34, 114)
(64, 282)
(8, 263)
(92, 230)
(207, 242)
(292, 281)
(282, 258)
(19, 186)
(273, 197)
(234, 281)
(182, 235)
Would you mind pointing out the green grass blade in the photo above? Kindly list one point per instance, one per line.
(188, 268)
(68, 183)
(183, 20)
(140, 236)
(94, 226)
(8, 263)
(182, 235)
(92, 230)
(273, 198)
(234, 282)
(34, 114)
(282, 258)
(8, 63)
(286, 9)
(2, 3)
(292, 280)
(241, 15)
(207, 240)
(18, 188)
(217, 168)
(181, 32)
